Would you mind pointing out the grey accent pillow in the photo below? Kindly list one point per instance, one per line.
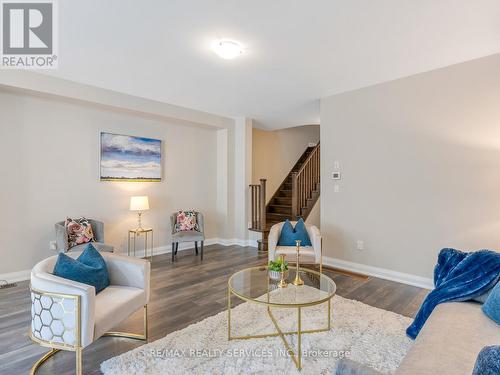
(349, 367)
(483, 297)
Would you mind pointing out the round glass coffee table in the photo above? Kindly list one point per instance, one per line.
(254, 285)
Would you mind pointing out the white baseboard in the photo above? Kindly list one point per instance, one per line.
(235, 241)
(25, 275)
(14, 277)
(209, 241)
(382, 273)
(182, 246)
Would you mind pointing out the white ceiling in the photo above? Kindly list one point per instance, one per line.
(297, 51)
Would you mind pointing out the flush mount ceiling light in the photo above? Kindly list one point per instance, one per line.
(227, 49)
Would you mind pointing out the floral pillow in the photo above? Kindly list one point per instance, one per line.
(79, 231)
(186, 220)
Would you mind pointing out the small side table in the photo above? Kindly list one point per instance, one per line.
(133, 234)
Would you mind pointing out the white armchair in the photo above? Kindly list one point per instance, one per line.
(308, 254)
(68, 315)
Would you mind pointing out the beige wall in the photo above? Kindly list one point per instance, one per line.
(49, 150)
(420, 163)
(314, 217)
(276, 152)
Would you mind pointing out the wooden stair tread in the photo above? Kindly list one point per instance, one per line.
(259, 230)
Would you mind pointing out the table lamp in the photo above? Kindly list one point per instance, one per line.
(139, 203)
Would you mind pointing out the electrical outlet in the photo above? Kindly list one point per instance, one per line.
(53, 245)
(360, 245)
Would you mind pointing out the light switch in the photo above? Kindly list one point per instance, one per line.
(336, 164)
(336, 188)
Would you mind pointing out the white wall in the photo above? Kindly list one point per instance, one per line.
(242, 175)
(49, 150)
(276, 152)
(223, 187)
(420, 163)
(314, 217)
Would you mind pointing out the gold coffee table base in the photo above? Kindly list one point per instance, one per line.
(296, 357)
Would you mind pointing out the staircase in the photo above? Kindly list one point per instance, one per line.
(294, 198)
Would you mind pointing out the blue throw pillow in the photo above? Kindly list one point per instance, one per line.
(89, 268)
(488, 361)
(289, 234)
(491, 306)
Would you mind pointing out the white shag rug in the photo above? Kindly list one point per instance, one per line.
(360, 332)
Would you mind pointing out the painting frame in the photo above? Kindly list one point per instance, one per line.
(121, 155)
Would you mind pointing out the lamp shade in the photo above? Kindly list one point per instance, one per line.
(140, 203)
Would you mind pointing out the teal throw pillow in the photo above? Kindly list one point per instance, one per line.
(289, 234)
(89, 268)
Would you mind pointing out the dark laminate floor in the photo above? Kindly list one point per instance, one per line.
(182, 293)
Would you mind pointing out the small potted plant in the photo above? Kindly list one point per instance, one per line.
(276, 268)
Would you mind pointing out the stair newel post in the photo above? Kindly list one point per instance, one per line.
(295, 195)
(253, 194)
(262, 203)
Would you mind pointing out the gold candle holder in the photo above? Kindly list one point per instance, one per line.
(298, 280)
(282, 283)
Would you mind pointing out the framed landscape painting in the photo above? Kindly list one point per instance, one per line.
(128, 158)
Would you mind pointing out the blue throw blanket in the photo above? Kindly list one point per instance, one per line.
(458, 276)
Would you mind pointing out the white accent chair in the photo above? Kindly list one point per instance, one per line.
(308, 254)
(68, 315)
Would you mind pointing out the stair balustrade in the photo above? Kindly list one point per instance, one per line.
(258, 204)
(305, 181)
(294, 198)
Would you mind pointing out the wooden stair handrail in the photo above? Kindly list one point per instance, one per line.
(304, 181)
(289, 174)
(305, 178)
(316, 148)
